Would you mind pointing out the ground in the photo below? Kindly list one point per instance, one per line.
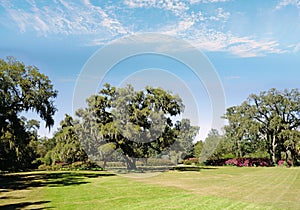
(210, 188)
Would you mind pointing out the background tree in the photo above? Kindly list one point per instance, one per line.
(139, 123)
(22, 89)
(183, 146)
(272, 117)
(210, 145)
(197, 148)
(67, 147)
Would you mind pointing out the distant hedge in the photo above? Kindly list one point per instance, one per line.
(240, 162)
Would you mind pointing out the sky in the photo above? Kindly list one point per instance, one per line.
(252, 46)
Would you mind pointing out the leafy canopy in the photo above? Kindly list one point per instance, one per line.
(139, 123)
(22, 88)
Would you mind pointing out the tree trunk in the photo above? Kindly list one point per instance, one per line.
(130, 163)
(273, 150)
(104, 163)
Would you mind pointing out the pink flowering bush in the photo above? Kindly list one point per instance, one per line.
(240, 162)
(284, 163)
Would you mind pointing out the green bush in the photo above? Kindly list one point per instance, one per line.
(115, 164)
(191, 161)
(89, 165)
(187, 162)
(159, 162)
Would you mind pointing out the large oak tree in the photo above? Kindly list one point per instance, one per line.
(138, 123)
(272, 117)
(22, 89)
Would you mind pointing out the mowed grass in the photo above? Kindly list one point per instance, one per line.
(211, 188)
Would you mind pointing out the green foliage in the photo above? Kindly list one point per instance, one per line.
(211, 143)
(159, 162)
(67, 148)
(268, 122)
(75, 166)
(22, 88)
(137, 123)
(197, 149)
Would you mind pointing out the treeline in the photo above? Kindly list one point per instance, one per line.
(263, 126)
(133, 124)
(122, 125)
(130, 126)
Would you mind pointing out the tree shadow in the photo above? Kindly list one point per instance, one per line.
(30, 180)
(192, 168)
(23, 205)
(22, 181)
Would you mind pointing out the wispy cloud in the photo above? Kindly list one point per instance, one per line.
(98, 24)
(176, 7)
(232, 77)
(247, 47)
(63, 17)
(207, 1)
(209, 39)
(296, 47)
(284, 3)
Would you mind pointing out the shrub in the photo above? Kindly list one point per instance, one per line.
(115, 164)
(159, 162)
(191, 161)
(73, 166)
(231, 162)
(250, 162)
(283, 163)
(187, 162)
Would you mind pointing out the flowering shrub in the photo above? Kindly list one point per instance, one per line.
(231, 162)
(248, 162)
(280, 162)
(284, 163)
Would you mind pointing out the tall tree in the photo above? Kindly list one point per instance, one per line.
(67, 147)
(139, 123)
(183, 146)
(22, 89)
(272, 116)
(210, 145)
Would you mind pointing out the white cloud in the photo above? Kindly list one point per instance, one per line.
(250, 47)
(208, 39)
(296, 47)
(98, 25)
(64, 18)
(221, 15)
(207, 1)
(285, 3)
(176, 7)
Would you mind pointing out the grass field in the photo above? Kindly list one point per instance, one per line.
(211, 188)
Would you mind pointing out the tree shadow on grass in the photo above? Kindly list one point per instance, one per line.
(22, 181)
(24, 204)
(191, 168)
(31, 180)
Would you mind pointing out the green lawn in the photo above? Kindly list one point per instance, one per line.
(211, 188)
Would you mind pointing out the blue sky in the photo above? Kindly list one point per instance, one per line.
(253, 45)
